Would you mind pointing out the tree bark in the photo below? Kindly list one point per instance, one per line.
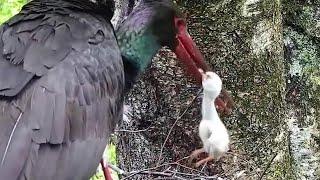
(302, 54)
(242, 40)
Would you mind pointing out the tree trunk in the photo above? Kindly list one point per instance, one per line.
(302, 54)
(242, 40)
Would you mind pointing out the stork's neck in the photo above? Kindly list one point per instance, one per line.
(136, 37)
(139, 50)
(209, 111)
(137, 41)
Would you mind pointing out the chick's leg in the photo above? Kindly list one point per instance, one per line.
(196, 153)
(199, 163)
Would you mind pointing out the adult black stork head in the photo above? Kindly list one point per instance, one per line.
(152, 25)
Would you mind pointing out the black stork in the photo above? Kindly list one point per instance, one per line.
(62, 80)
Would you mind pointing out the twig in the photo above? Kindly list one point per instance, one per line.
(186, 167)
(171, 178)
(179, 160)
(157, 173)
(268, 166)
(189, 168)
(188, 174)
(171, 175)
(208, 177)
(174, 124)
(204, 166)
(133, 173)
(180, 178)
(115, 168)
(133, 131)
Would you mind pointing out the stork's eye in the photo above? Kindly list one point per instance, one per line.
(180, 24)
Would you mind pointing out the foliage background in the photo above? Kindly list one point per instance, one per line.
(9, 7)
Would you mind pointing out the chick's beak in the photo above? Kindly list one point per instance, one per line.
(203, 74)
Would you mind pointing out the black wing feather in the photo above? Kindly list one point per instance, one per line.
(62, 95)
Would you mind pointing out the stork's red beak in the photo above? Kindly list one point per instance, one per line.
(191, 57)
(188, 53)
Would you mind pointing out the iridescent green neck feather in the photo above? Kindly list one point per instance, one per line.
(138, 48)
(149, 27)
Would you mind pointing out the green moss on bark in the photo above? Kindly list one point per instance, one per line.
(243, 42)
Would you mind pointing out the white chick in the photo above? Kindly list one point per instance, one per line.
(212, 131)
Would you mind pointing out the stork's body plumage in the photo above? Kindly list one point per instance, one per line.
(61, 84)
(212, 131)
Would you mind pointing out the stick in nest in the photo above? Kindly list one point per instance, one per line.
(174, 124)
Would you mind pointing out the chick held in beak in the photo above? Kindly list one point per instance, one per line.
(224, 102)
